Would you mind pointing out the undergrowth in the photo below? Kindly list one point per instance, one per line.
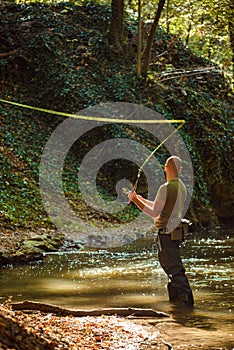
(63, 62)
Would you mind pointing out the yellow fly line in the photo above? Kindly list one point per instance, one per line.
(99, 119)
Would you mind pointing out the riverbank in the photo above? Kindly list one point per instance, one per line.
(50, 331)
(37, 330)
(25, 246)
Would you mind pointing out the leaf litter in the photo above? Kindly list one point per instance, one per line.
(89, 332)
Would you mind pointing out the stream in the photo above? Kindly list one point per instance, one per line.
(88, 279)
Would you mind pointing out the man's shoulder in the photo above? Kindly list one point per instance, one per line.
(175, 183)
(163, 186)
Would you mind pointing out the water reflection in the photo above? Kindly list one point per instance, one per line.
(91, 279)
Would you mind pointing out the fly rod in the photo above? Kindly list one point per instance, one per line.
(126, 190)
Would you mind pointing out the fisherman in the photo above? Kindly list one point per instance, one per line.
(166, 210)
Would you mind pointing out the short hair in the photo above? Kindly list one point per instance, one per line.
(175, 163)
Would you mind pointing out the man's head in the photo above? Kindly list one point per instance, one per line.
(173, 165)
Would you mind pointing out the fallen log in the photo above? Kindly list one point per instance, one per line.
(58, 310)
(9, 53)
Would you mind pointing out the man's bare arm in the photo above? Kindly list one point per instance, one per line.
(150, 208)
(145, 201)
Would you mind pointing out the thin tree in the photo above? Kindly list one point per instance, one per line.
(231, 32)
(139, 44)
(147, 51)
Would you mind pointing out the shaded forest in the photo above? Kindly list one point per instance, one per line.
(58, 57)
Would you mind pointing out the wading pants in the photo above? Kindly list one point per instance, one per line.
(170, 260)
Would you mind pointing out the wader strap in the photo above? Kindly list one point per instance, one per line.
(163, 231)
(176, 235)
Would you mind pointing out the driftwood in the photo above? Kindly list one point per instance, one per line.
(58, 310)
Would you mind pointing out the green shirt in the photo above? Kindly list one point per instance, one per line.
(173, 193)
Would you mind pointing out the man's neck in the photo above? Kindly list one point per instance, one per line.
(170, 176)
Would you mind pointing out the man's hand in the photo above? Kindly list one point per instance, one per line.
(131, 196)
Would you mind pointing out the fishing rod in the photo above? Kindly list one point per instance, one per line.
(126, 190)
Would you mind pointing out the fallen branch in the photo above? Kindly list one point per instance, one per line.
(58, 310)
(9, 53)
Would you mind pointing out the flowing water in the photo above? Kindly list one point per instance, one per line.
(133, 277)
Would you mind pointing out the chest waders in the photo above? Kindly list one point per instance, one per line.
(169, 257)
(169, 239)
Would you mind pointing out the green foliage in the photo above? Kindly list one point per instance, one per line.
(203, 25)
(20, 158)
(63, 63)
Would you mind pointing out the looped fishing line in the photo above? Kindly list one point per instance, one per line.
(99, 119)
(110, 120)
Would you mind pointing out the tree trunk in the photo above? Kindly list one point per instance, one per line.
(188, 33)
(139, 35)
(167, 16)
(116, 37)
(231, 33)
(147, 52)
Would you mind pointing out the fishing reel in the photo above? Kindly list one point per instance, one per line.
(123, 194)
(125, 190)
